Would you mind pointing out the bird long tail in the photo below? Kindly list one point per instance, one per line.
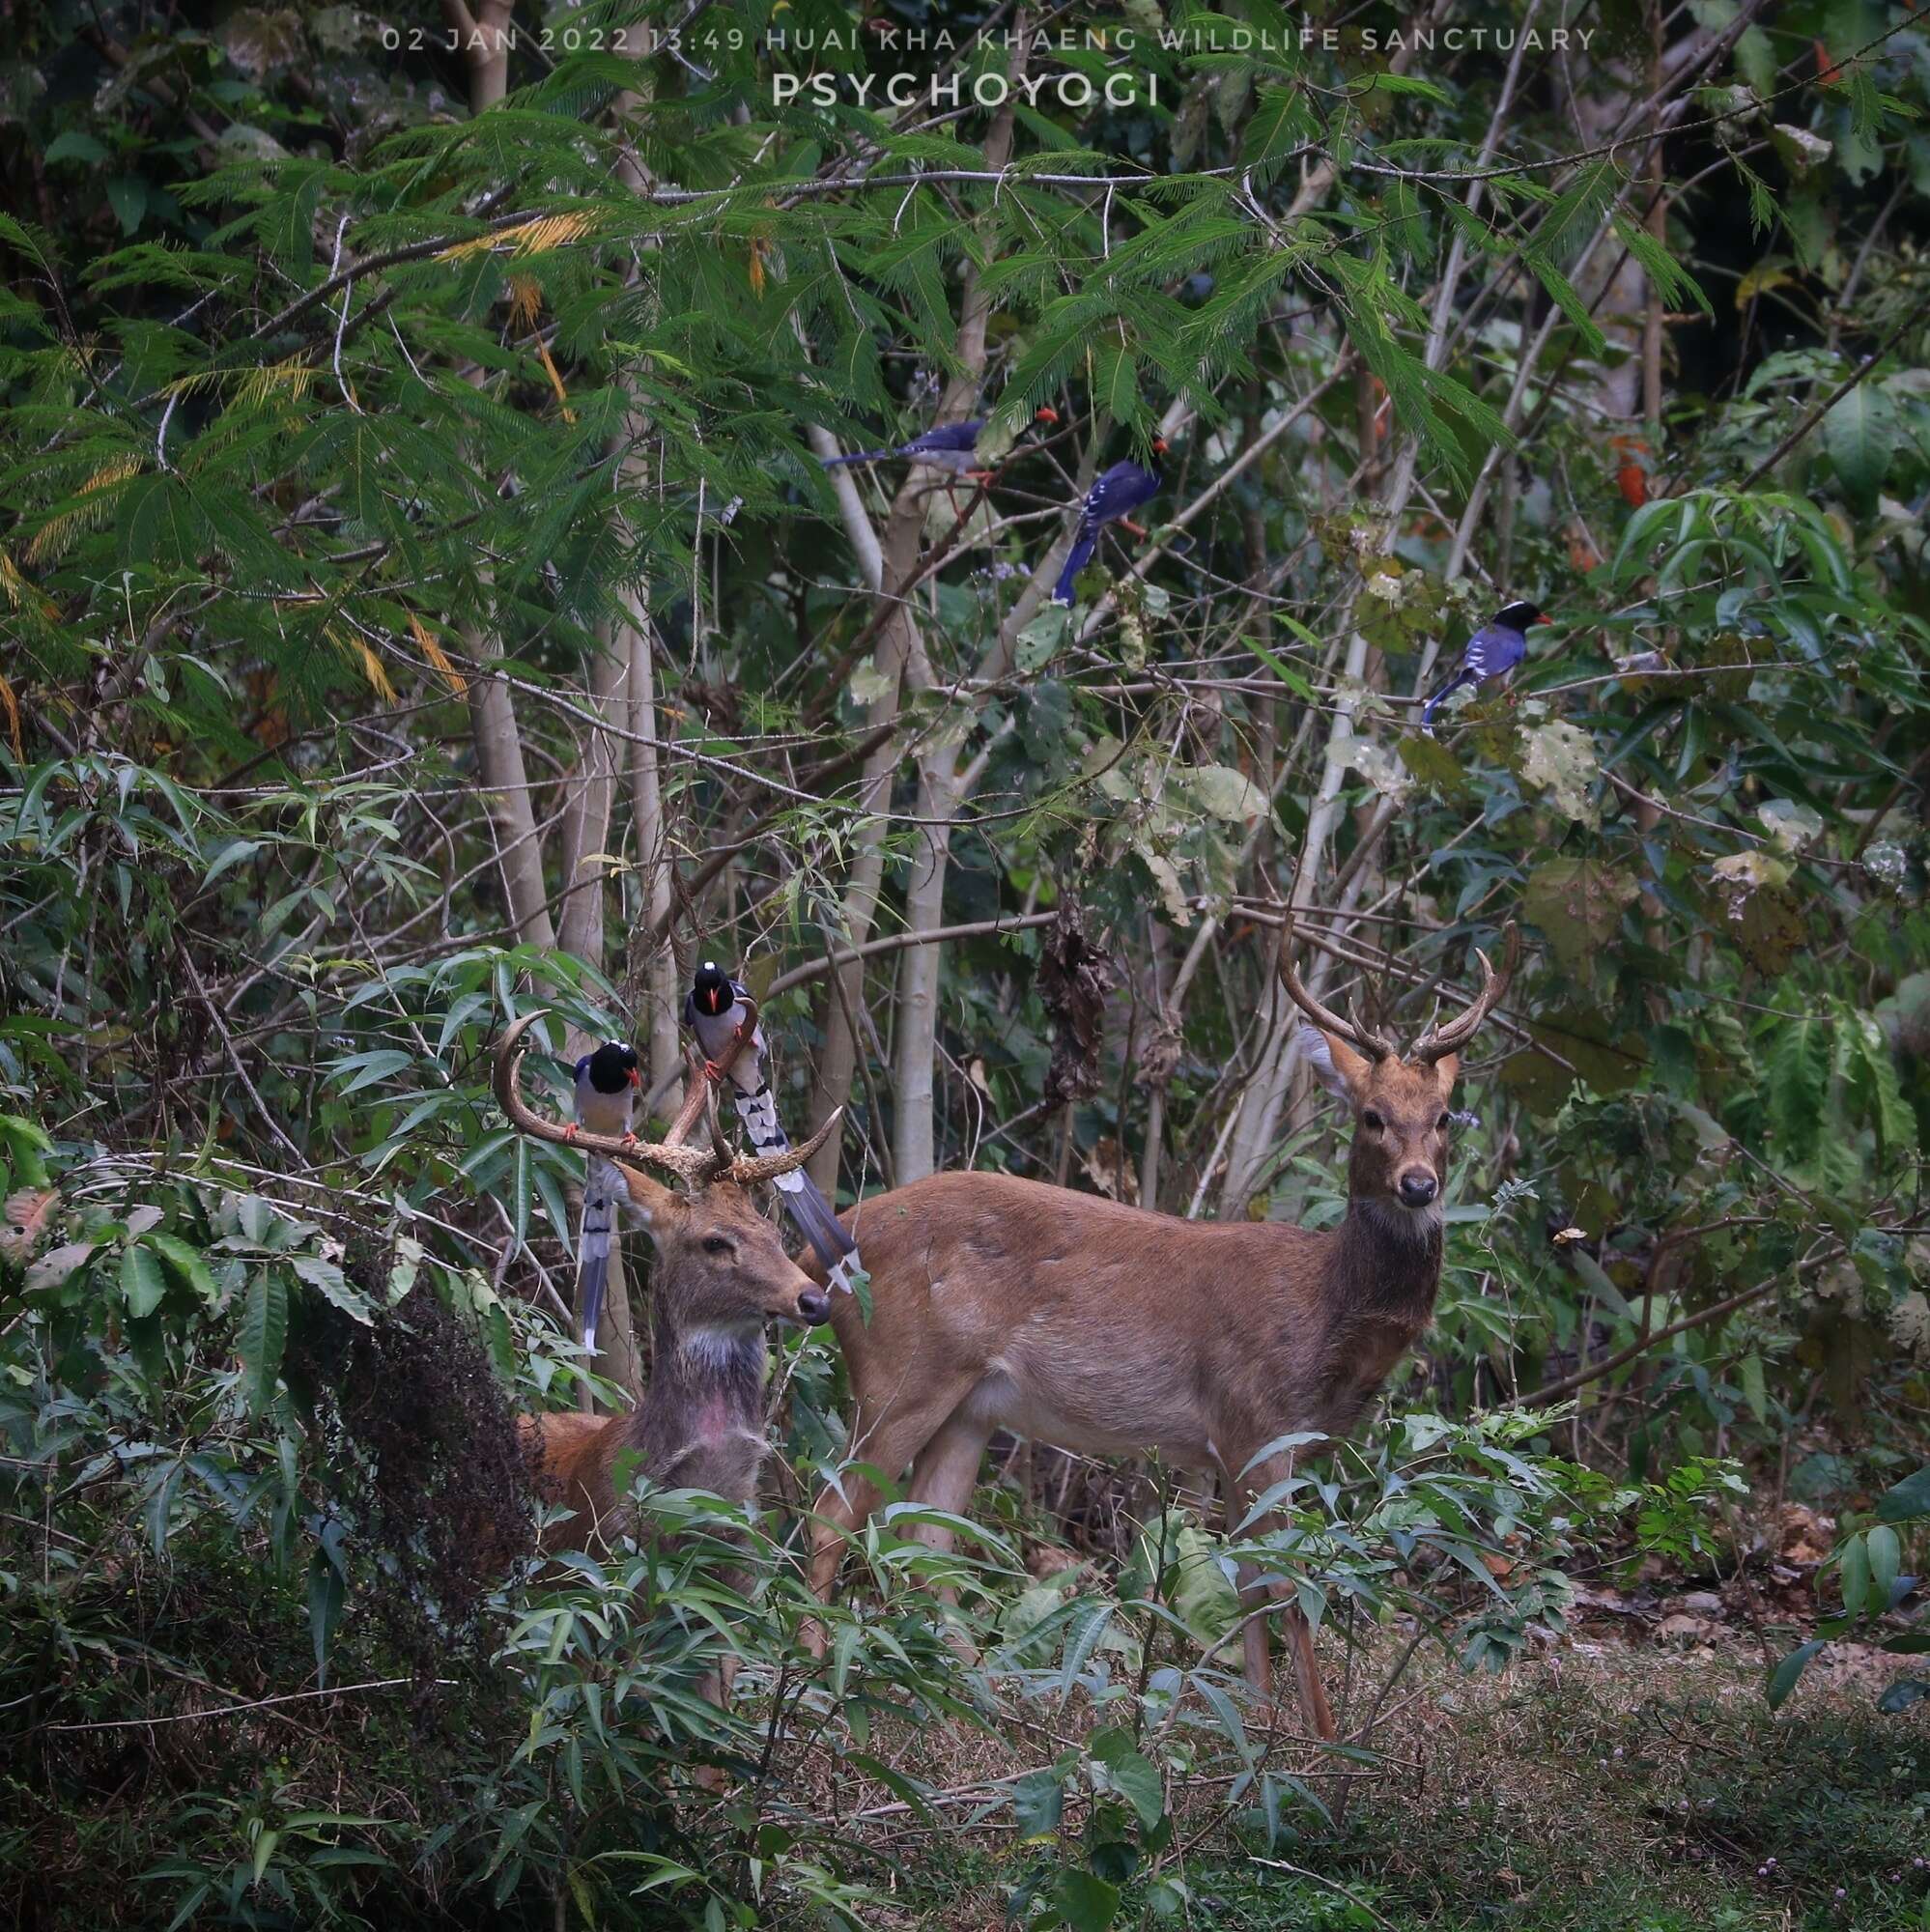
(856, 456)
(599, 1217)
(1458, 681)
(818, 1223)
(816, 1219)
(1077, 558)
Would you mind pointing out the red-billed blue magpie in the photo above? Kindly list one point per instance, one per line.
(714, 1010)
(607, 1084)
(1493, 652)
(950, 446)
(1114, 495)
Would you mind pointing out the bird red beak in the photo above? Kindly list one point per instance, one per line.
(1159, 446)
(635, 1078)
(1043, 414)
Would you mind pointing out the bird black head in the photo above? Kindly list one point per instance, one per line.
(612, 1068)
(710, 990)
(1519, 617)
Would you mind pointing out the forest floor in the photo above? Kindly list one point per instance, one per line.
(1628, 1777)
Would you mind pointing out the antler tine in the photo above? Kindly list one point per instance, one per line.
(693, 1165)
(718, 1146)
(1439, 1040)
(1376, 1046)
(749, 1172)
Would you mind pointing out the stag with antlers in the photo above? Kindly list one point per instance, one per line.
(722, 1273)
(1001, 1303)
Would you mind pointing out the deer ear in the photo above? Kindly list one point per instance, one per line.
(650, 1200)
(1336, 1066)
(1447, 1070)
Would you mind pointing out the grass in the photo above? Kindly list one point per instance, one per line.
(1597, 1787)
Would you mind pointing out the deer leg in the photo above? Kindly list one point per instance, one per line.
(898, 1436)
(944, 1476)
(1255, 1586)
(1252, 1590)
(947, 1473)
(1314, 1705)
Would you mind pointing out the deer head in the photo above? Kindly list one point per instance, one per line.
(724, 1267)
(1399, 1103)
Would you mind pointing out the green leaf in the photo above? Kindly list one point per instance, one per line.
(1577, 903)
(263, 1335)
(1137, 1781)
(75, 145)
(127, 197)
(327, 1593)
(142, 1282)
(1862, 435)
(1086, 1902)
(1853, 1563)
(1277, 124)
(333, 1286)
(1884, 1550)
(1782, 1678)
(371, 1066)
(188, 1262)
(1900, 1695)
(1910, 1498)
(1038, 1803)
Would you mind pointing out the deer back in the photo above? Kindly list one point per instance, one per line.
(1086, 1322)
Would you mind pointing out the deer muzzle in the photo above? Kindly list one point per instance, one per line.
(1418, 1187)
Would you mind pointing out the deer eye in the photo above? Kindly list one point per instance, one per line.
(716, 1244)
(1370, 1118)
(1441, 1125)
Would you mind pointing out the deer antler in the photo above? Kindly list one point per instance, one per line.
(696, 1167)
(1440, 1041)
(1376, 1046)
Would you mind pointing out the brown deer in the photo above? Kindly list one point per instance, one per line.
(722, 1273)
(1001, 1303)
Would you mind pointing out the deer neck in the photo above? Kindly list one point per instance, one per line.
(705, 1402)
(1387, 1259)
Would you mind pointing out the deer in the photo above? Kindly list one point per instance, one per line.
(722, 1273)
(1004, 1303)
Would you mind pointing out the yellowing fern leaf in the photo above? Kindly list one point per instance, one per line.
(290, 377)
(372, 665)
(437, 656)
(530, 238)
(53, 536)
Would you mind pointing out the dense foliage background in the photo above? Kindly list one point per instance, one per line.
(423, 599)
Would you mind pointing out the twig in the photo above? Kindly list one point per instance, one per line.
(232, 1709)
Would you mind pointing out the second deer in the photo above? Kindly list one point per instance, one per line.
(1001, 1303)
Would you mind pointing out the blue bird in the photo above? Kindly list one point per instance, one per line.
(607, 1084)
(1117, 494)
(713, 1011)
(1493, 652)
(950, 447)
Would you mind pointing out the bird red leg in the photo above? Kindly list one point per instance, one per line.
(1127, 523)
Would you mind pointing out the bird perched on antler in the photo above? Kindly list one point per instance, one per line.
(1492, 653)
(607, 1084)
(1113, 498)
(716, 1010)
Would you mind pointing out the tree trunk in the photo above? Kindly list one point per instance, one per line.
(587, 808)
